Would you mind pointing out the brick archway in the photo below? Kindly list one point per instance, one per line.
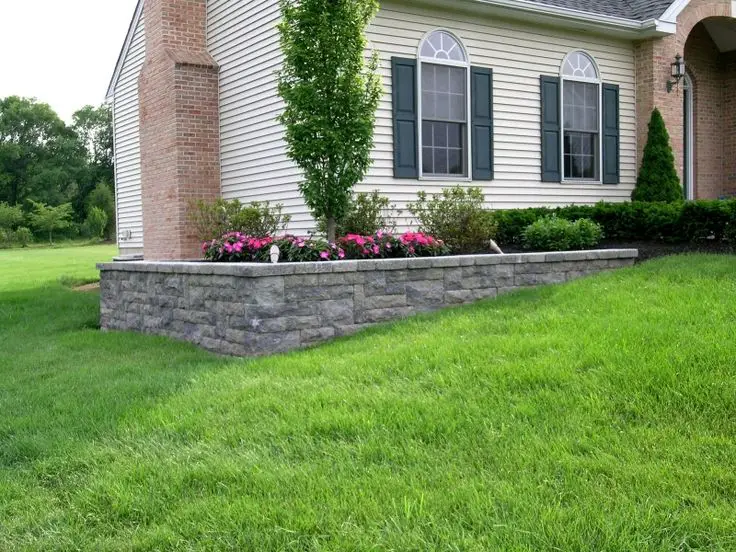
(713, 177)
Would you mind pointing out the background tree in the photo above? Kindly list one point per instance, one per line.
(48, 219)
(40, 157)
(331, 96)
(658, 180)
(93, 126)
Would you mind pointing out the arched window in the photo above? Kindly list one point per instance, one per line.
(581, 115)
(443, 125)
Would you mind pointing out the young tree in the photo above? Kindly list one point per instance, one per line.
(331, 94)
(96, 222)
(11, 217)
(103, 198)
(47, 219)
(658, 180)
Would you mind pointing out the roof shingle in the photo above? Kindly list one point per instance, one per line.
(638, 10)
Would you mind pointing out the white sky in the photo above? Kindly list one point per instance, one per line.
(62, 52)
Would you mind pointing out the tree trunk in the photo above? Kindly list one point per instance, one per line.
(51, 237)
(331, 229)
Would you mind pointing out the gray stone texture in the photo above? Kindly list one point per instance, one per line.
(251, 309)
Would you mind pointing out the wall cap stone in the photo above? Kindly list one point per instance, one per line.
(259, 270)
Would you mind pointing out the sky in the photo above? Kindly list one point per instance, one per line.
(62, 52)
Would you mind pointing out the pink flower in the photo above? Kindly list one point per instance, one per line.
(325, 255)
(340, 253)
(388, 246)
(376, 250)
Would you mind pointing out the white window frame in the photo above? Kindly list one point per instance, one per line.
(599, 81)
(468, 115)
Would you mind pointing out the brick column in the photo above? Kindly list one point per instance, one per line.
(179, 125)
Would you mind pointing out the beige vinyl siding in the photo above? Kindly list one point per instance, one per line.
(518, 54)
(127, 145)
(243, 39)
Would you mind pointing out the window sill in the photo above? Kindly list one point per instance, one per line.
(447, 178)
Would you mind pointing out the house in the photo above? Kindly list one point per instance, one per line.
(539, 102)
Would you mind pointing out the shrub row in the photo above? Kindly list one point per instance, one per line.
(679, 222)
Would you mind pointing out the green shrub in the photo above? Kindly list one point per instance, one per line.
(23, 236)
(558, 234)
(366, 215)
(96, 223)
(6, 238)
(103, 198)
(214, 219)
(676, 222)
(457, 217)
(10, 217)
(658, 180)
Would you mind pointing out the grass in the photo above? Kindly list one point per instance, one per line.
(598, 415)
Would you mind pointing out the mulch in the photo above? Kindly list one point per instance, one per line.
(653, 250)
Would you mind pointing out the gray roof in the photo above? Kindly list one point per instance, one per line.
(639, 10)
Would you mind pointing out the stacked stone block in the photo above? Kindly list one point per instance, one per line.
(251, 309)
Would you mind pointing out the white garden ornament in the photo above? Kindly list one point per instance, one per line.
(275, 254)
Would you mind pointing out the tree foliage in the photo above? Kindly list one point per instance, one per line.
(48, 219)
(331, 93)
(40, 157)
(93, 127)
(11, 216)
(658, 180)
(44, 160)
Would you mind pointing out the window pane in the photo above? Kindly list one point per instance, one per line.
(579, 65)
(454, 136)
(444, 95)
(443, 148)
(580, 106)
(441, 45)
(440, 161)
(581, 155)
(440, 135)
(455, 161)
(427, 163)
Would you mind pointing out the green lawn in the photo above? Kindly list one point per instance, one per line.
(599, 415)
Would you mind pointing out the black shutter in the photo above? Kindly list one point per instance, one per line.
(611, 137)
(551, 128)
(404, 83)
(481, 96)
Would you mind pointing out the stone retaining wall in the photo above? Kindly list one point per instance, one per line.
(256, 309)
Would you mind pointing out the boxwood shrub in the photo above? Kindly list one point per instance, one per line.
(678, 222)
(558, 234)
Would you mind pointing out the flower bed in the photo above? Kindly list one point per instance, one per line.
(236, 247)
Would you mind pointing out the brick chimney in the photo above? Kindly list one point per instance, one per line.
(179, 125)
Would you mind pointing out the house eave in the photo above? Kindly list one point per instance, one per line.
(556, 16)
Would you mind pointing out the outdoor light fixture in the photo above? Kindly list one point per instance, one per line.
(678, 73)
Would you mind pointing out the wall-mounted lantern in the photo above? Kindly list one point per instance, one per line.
(678, 73)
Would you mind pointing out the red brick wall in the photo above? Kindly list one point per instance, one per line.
(180, 149)
(729, 123)
(653, 69)
(704, 66)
